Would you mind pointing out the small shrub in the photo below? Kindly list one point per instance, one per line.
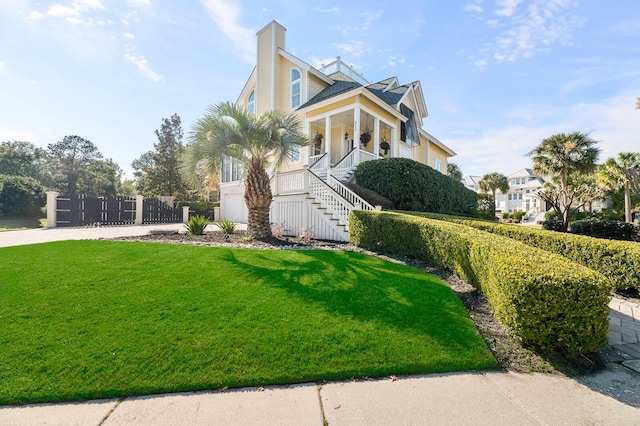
(518, 216)
(306, 235)
(227, 226)
(553, 225)
(277, 230)
(196, 225)
(506, 215)
(609, 229)
(248, 238)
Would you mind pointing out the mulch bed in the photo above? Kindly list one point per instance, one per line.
(509, 353)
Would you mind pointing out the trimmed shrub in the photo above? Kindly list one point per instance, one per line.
(609, 229)
(553, 225)
(619, 261)
(21, 196)
(518, 216)
(370, 196)
(414, 186)
(546, 300)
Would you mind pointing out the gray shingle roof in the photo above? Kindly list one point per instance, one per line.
(391, 97)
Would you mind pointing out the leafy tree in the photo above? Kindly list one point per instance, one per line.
(492, 182)
(454, 172)
(20, 196)
(71, 160)
(101, 179)
(229, 130)
(158, 172)
(564, 156)
(19, 158)
(622, 172)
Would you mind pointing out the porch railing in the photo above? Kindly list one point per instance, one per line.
(329, 198)
(289, 182)
(348, 194)
(350, 161)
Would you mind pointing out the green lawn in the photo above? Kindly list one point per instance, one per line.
(16, 223)
(93, 319)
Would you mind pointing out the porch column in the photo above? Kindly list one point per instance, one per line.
(139, 209)
(327, 137)
(356, 133)
(309, 148)
(376, 137)
(394, 142)
(52, 205)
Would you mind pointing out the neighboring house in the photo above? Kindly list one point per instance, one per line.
(472, 182)
(522, 196)
(350, 120)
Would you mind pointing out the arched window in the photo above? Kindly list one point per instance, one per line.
(295, 88)
(251, 104)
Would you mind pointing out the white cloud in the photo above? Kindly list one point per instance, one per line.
(139, 3)
(35, 15)
(473, 8)
(528, 26)
(83, 5)
(507, 7)
(355, 48)
(129, 36)
(61, 11)
(328, 10)
(1, 64)
(143, 66)
(614, 122)
(226, 15)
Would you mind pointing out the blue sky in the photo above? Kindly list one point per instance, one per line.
(498, 75)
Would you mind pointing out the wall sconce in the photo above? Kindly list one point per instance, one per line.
(346, 136)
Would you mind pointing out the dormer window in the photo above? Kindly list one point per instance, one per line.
(295, 88)
(251, 103)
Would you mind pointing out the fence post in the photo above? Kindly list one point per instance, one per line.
(139, 209)
(216, 213)
(185, 214)
(52, 205)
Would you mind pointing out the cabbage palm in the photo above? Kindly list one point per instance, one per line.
(562, 155)
(622, 172)
(229, 130)
(492, 182)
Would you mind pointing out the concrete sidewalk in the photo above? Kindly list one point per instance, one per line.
(484, 398)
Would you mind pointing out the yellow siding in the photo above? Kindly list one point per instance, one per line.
(374, 107)
(263, 101)
(439, 154)
(315, 86)
(420, 151)
(331, 107)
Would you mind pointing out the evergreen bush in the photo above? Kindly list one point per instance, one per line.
(609, 229)
(410, 185)
(21, 196)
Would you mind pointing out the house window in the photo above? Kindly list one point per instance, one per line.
(251, 104)
(231, 170)
(295, 88)
(438, 165)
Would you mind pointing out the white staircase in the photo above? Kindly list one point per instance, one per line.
(316, 197)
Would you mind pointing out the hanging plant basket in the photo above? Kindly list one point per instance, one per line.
(365, 138)
(317, 139)
(384, 145)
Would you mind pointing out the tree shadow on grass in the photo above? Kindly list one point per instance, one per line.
(368, 290)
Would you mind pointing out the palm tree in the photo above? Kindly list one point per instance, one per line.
(492, 182)
(229, 130)
(623, 171)
(454, 172)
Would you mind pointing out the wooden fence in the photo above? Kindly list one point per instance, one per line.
(86, 210)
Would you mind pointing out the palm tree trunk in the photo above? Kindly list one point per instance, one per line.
(257, 196)
(627, 201)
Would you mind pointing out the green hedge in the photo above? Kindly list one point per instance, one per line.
(546, 300)
(414, 186)
(605, 228)
(619, 261)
